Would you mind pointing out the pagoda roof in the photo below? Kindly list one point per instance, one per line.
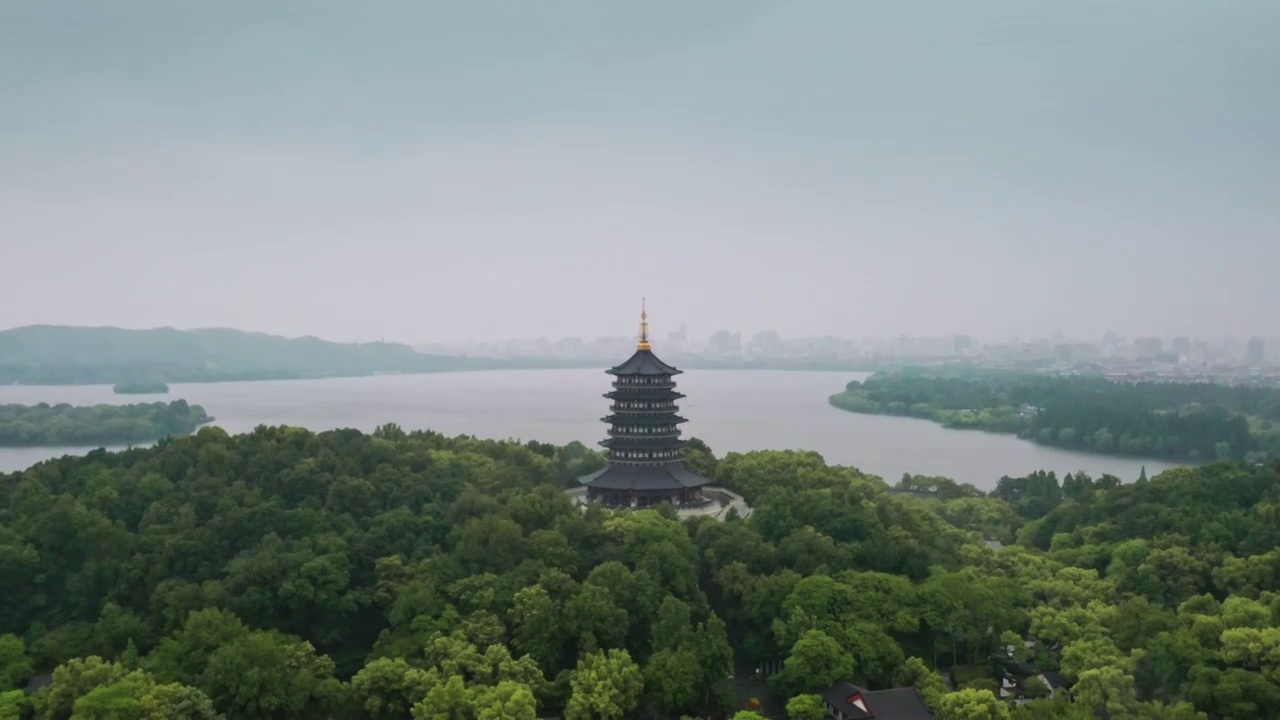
(643, 393)
(641, 417)
(671, 441)
(622, 476)
(643, 362)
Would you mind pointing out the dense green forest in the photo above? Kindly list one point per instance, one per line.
(53, 355)
(1182, 421)
(65, 425)
(140, 388)
(286, 574)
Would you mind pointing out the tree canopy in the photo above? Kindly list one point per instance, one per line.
(287, 574)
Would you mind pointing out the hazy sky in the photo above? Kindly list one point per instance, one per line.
(438, 171)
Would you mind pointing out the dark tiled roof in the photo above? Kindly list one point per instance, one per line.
(893, 704)
(38, 683)
(668, 442)
(643, 362)
(1056, 679)
(620, 476)
(642, 418)
(640, 392)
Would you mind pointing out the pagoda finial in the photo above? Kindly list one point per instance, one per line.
(644, 327)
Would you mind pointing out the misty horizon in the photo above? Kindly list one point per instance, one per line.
(475, 171)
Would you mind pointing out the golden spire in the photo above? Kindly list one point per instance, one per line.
(644, 328)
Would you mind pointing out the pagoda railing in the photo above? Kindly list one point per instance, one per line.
(647, 461)
(644, 435)
(616, 408)
(668, 385)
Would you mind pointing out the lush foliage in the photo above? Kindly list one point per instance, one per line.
(1183, 421)
(285, 574)
(140, 388)
(67, 425)
(69, 355)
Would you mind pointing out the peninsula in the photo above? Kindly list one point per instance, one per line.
(64, 425)
(1193, 422)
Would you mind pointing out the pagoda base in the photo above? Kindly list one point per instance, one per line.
(683, 497)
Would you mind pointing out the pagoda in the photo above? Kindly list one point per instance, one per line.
(644, 450)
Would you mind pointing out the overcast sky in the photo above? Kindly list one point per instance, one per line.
(433, 171)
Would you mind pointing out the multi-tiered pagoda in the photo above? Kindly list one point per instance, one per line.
(644, 449)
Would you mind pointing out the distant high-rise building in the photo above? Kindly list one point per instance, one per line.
(1149, 347)
(1256, 352)
(1232, 349)
(678, 339)
(1182, 345)
(725, 343)
(766, 343)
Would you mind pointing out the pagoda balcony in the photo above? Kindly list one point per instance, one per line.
(642, 442)
(643, 381)
(641, 390)
(678, 457)
(643, 418)
(623, 410)
(630, 434)
(638, 393)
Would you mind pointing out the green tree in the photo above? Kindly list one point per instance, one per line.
(816, 663)
(73, 680)
(119, 700)
(177, 702)
(183, 656)
(15, 666)
(448, 700)
(388, 688)
(806, 707)
(539, 628)
(269, 675)
(506, 701)
(674, 679)
(14, 705)
(972, 704)
(605, 686)
(929, 684)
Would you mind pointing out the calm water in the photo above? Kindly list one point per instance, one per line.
(729, 409)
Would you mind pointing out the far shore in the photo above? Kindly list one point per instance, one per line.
(532, 364)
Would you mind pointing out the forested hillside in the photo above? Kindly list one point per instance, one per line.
(54, 355)
(1182, 421)
(287, 574)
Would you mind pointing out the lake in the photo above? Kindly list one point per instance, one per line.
(729, 409)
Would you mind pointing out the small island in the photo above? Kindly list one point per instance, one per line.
(1188, 422)
(65, 425)
(140, 388)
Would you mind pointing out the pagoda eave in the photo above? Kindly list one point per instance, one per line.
(642, 418)
(666, 477)
(643, 362)
(643, 393)
(665, 442)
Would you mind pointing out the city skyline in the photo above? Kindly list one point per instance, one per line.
(769, 343)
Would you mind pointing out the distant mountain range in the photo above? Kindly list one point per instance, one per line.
(59, 355)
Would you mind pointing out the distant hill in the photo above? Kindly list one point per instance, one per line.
(45, 354)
